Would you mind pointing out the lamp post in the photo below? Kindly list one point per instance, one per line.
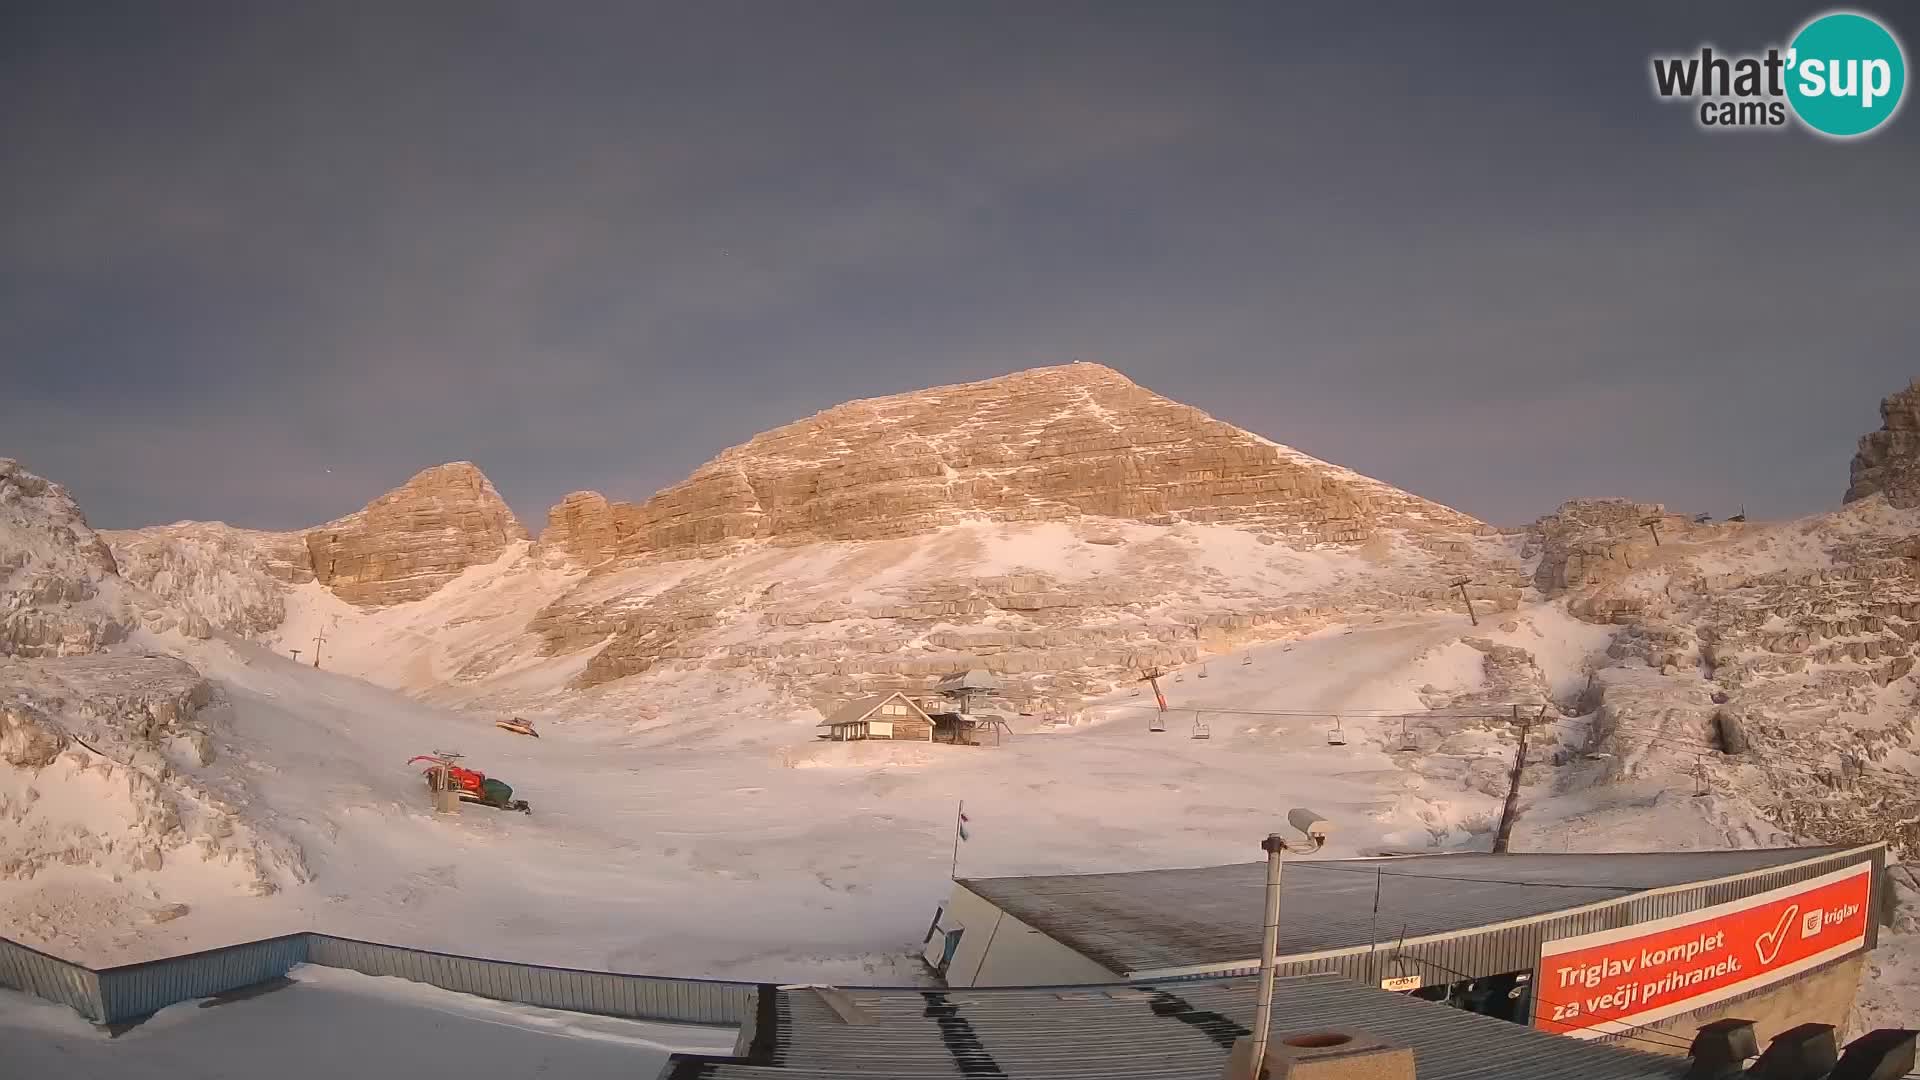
(1315, 829)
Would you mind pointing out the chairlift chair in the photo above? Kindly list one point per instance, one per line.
(1246, 660)
(1406, 737)
(1157, 722)
(1201, 729)
(1336, 736)
(1203, 671)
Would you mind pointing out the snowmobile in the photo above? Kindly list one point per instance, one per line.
(517, 726)
(471, 785)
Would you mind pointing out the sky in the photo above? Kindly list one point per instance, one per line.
(262, 262)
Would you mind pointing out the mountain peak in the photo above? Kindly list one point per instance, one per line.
(1050, 443)
(412, 540)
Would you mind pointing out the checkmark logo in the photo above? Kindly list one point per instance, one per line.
(1771, 942)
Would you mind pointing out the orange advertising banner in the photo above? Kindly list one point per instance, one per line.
(1614, 980)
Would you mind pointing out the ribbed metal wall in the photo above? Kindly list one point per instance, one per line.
(31, 971)
(639, 997)
(1474, 954)
(135, 990)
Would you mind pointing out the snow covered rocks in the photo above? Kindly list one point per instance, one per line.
(58, 594)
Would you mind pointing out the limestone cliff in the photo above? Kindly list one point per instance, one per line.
(407, 543)
(1888, 461)
(1051, 444)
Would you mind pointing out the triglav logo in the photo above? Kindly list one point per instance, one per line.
(1842, 75)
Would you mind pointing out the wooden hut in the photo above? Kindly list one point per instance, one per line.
(882, 716)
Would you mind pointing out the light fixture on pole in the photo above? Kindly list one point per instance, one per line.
(1315, 828)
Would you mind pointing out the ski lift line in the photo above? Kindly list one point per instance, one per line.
(1893, 777)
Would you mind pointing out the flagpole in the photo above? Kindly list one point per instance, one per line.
(958, 813)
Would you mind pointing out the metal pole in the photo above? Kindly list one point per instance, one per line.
(1273, 845)
(1512, 808)
(958, 813)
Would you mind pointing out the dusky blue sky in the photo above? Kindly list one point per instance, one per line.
(261, 262)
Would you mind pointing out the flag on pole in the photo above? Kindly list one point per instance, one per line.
(959, 833)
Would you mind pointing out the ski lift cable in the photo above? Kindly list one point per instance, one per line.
(1893, 776)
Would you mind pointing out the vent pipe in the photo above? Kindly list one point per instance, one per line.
(1721, 1049)
(1805, 1052)
(1886, 1054)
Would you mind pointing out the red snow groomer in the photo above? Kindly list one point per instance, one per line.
(471, 785)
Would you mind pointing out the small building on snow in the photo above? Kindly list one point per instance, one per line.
(881, 716)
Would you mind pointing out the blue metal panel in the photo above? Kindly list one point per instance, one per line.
(33, 972)
(134, 990)
(642, 997)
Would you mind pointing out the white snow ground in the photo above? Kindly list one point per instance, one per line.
(332, 1023)
(720, 840)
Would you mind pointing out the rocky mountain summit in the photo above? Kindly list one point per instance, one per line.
(400, 547)
(1062, 522)
(1888, 461)
(1081, 528)
(1048, 444)
(412, 540)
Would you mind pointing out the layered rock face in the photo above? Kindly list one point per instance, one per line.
(414, 539)
(58, 580)
(1888, 461)
(1046, 444)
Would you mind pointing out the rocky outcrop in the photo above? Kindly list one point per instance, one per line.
(58, 583)
(1051, 443)
(118, 735)
(210, 575)
(414, 539)
(1594, 542)
(28, 739)
(1888, 461)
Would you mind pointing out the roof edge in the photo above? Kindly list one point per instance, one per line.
(1223, 967)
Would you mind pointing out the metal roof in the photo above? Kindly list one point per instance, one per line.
(860, 708)
(1180, 1030)
(971, 679)
(1151, 920)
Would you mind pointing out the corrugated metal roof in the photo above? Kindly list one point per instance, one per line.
(1156, 919)
(1176, 1031)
